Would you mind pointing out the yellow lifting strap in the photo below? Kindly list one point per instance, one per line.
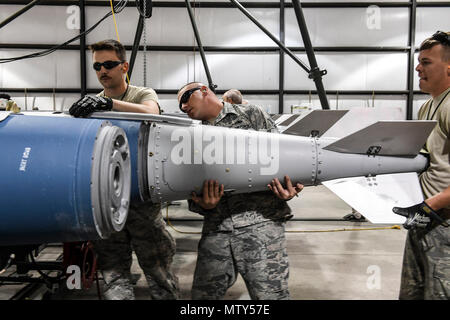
(117, 30)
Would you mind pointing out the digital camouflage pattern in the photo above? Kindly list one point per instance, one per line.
(146, 234)
(426, 264)
(240, 116)
(257, 252)
(244, 233)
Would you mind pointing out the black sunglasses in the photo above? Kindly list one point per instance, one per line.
(442, 37)
(107, 64)
(186, 95)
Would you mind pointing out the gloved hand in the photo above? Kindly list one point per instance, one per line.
(85, 106)
(12, 106)
(419, 216)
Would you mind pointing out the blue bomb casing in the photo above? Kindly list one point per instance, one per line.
(137, 132)
(61, 179)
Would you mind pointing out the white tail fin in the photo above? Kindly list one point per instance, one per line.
(374, 197)
(389, 138)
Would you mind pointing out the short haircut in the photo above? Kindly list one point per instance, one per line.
(110, 45)
(433, 41)
(187, 84)
(234, 95)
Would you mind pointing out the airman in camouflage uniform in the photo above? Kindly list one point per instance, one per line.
(242, 233)
(426, 262)
(145, 230)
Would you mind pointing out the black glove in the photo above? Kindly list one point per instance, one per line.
(419, 216)
(85, 106)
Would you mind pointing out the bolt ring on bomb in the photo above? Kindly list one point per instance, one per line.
(111, 180)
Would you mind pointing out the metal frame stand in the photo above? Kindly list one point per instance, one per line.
(19, 13)
(137, 41)
(83, 80)
(315, 73)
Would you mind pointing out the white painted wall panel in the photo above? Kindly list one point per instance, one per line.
(40, 24)
(429, 20)
(244, 70)
(233, 28)
(351, 71)
(346, 102)
(172, 26)
(169, 70)
(60, 69)
(45, 101)
(126, 21)
(350, 27)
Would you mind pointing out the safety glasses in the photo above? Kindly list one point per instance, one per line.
(107, 64)
(186, 95)
(442, 37)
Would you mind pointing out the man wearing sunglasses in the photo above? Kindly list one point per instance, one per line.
(111, 67)
(243, 233)
(426, 261)
(145, 230)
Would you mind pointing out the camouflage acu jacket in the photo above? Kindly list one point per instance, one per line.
(240, 210)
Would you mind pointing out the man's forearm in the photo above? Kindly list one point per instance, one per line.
(123, 106)
(439, 201)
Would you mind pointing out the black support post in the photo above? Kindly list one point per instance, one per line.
(411, 43)
(83, 80)
(137, 41)
(18, 13)
(211, 85)
(316, 73)
(281, 65)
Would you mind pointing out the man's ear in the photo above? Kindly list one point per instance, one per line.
(125, 67)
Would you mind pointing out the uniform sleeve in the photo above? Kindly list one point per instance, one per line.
(149, 94)
(197, 209)
(260, 119)
(444, 119)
